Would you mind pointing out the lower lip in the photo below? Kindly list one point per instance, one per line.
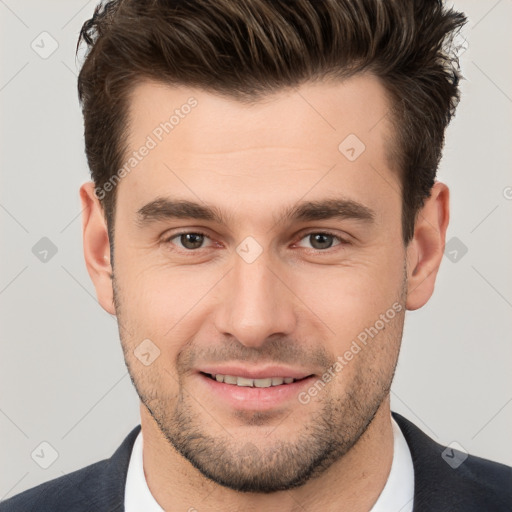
(246, 397)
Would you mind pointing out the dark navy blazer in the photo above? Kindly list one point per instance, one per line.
(477, 485)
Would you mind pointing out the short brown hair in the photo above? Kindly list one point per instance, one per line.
(246, 49)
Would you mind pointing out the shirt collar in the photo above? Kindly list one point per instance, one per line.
(398, 493)
(137, 495)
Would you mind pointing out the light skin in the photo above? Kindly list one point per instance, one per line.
(300, 303)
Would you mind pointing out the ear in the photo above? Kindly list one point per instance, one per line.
(425, 251)
(96, 246)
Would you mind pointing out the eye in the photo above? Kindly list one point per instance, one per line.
(323, 240)
(189, 240)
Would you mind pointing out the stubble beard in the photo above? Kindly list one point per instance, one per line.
(282, 464)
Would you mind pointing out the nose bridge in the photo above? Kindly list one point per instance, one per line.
(255, 303)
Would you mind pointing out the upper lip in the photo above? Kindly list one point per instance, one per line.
(256, 373)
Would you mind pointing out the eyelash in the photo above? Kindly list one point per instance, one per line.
(305, 235)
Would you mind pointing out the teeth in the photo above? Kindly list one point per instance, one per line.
(258, 383)
(242, 381)
(261, 383)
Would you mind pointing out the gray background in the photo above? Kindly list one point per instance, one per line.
(62, 376)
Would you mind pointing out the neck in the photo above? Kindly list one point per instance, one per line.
(353, 483)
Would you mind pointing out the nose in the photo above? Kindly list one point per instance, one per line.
(255, 302)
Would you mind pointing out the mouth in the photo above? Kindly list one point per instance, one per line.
(254, 394)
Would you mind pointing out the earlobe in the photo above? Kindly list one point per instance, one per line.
(96, 246)
(426, 249)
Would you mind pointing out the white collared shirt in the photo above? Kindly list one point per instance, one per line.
(397, 495)
(137, 496)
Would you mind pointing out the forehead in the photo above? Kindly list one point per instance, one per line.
(334, 134)
(330, 109)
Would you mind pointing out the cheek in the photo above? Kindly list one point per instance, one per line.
(348, 300)
(162, 302)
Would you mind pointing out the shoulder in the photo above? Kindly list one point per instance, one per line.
(62, 493)
(97, 487)
(449, 479)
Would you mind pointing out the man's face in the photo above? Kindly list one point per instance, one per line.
(266, 292)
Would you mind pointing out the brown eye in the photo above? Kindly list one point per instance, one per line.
(191, 240)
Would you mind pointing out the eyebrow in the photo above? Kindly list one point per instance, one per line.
(168, 209)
